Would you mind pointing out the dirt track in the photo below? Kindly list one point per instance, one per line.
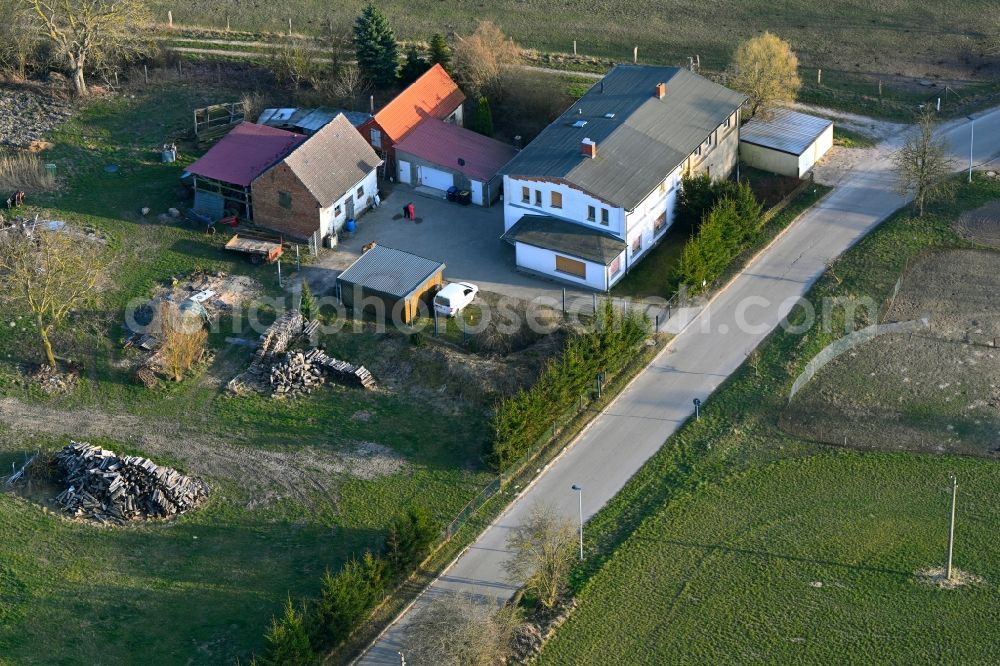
(266, 475)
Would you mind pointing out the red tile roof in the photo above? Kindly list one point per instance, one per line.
(445, 144)
(433, 95)
(245, 153)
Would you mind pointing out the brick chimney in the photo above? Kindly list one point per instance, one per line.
(661, 90)
(588, 148)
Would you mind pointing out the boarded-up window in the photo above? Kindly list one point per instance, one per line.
(556, 199)
(615, 266)
(637, 245)
(284, 199)
(525, 194)
(571, 267)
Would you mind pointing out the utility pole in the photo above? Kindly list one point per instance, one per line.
(951, 526)
(579, 490)
(972, 139)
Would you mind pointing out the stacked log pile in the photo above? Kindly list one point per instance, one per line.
(300, 372)
(106, 488)
(273, 341)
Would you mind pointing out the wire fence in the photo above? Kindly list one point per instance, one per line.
(848, 342)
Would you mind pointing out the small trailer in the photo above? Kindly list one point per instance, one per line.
(261, 248)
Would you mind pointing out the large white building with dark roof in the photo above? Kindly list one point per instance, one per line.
(596, 189)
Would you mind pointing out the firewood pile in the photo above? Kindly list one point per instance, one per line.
(273, 341)
(104, 487)
(300, 372)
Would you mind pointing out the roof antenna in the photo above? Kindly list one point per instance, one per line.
(579, 111)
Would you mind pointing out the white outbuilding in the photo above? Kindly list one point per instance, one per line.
(787, 142)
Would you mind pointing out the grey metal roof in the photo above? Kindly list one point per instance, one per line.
(281, 118)
(390, 271)
(551, 233)
(640, 139)
(317, 118)
(785, 130)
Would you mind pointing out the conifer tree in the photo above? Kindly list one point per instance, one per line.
(440, 52)
(482, 120)
(376, 47)
(413, 67)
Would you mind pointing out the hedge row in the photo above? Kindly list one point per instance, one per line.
(349, 596)
(732, 224)
(520, 421)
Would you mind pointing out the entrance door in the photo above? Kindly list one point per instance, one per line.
(349, 206)
(477, 193)
(404, 172)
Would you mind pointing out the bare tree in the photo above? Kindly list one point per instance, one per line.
(460, 631)
(922, 165)
(347, 84)
(542, 555)
(766, 71)
(17, 39)
(184, 339)
(88, 33)
(481, 60)
(297, 64)
(50, 274)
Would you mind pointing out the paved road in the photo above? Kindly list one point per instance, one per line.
(638, 422)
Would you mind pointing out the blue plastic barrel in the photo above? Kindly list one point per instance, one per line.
(349, 225)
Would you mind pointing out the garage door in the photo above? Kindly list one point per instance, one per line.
(439, 180)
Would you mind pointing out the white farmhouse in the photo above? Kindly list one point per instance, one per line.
(596, 189)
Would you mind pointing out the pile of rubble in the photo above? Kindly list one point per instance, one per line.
(26, 116)
(300, 372)
(106, 488)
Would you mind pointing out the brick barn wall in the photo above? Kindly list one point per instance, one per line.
(299, 221)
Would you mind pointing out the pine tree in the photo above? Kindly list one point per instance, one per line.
(376, 47)
(440, 53)
(287, 640)
(413, 67)
(307, 306)
(482, 120)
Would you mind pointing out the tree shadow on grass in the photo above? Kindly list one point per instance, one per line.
(187, 591)
(763, 554)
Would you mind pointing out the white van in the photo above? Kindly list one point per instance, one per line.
(455, 296)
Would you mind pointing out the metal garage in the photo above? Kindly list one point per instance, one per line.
(787, 142)
(390, 284)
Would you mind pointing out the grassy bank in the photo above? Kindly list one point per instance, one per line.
(719, 574)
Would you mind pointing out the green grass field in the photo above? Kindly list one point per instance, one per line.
(284, 506)
(888, 36)
(768, 568)
(707, 555)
